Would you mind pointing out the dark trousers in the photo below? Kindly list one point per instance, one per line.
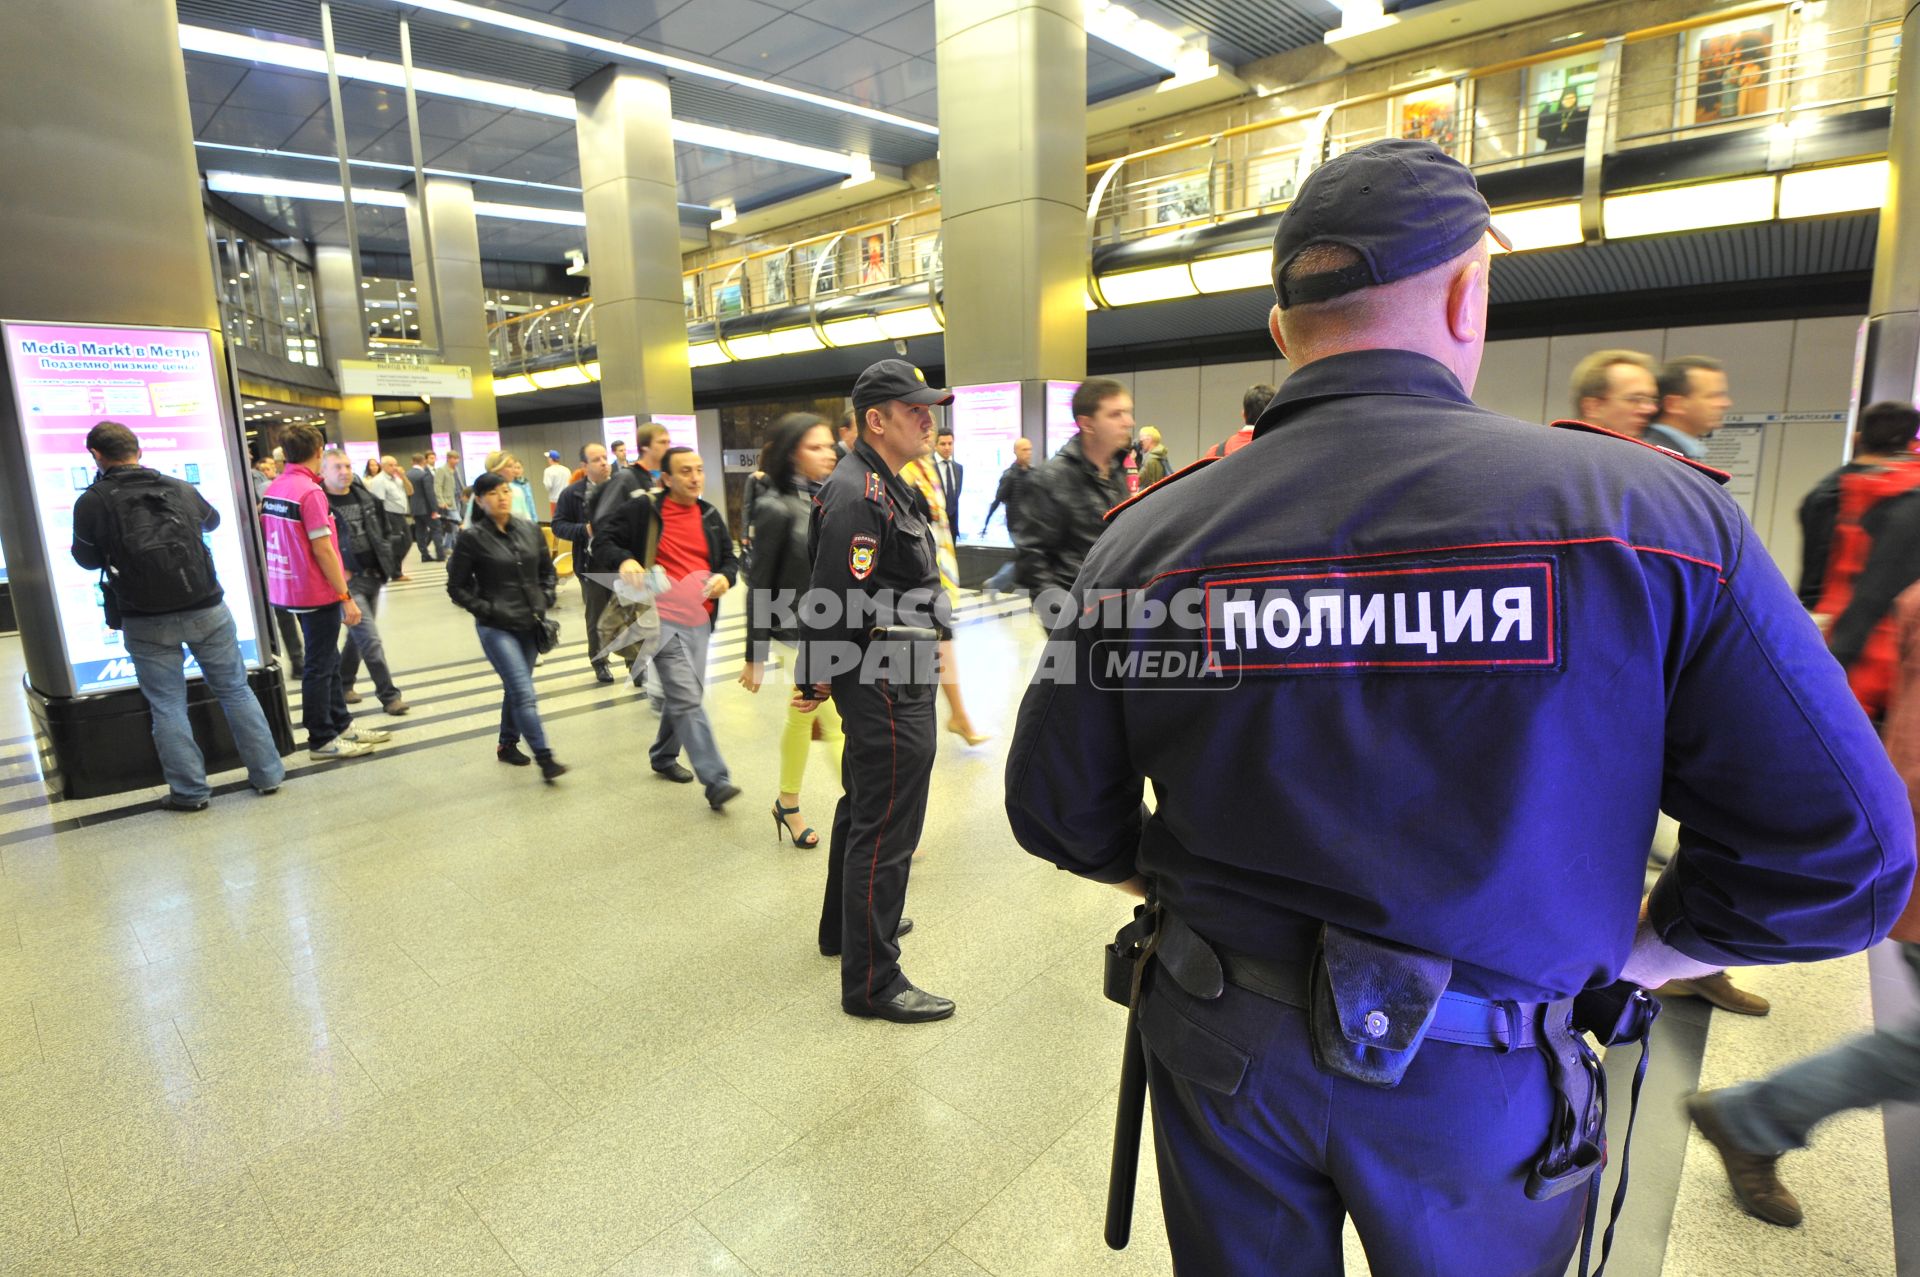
(1262, 1155)
(290, 642)
(323, 702)
(423, 536)
(596, 597)
(884, 773)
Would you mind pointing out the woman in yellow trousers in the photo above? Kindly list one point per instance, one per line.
(799, 455)
(920, 473)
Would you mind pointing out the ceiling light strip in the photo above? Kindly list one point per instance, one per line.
(647, 57)
(296, 57)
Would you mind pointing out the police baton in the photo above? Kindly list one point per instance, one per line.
(1123, 1175)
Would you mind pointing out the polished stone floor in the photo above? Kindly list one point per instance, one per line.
(419, 1013)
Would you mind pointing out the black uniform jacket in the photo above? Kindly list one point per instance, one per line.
(873, 560)
(1458, 663)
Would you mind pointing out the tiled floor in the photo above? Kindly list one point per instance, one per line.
(419, 1013)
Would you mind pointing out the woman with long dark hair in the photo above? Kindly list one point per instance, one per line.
(799, 455)
(501, 572)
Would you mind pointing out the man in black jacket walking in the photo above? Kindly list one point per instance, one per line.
(1070, 493)
(367, 541)
(570, 523)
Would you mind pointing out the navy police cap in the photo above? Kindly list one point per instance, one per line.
(1403, 205)
(895, 379)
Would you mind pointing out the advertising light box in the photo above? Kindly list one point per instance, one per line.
(360, 453)
(442, 443)
(985, 421)
(162, 384)
(1061, 425)
(620, 430)
(474, 447)
(682, 430)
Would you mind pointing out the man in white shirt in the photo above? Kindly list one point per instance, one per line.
(556, 477)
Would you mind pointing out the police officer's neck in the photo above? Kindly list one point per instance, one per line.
(894, 456)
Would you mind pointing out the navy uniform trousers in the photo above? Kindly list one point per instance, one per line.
(884, 771)
(1261, 1154)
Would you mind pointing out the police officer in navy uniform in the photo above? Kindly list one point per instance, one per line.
(1403, 808)
(868, 637)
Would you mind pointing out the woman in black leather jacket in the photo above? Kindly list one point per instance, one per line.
(799, 455)
(501, 572)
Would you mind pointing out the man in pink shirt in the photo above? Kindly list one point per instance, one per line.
(305, 576)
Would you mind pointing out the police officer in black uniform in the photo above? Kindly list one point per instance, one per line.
(1403, 806)
(869, 631)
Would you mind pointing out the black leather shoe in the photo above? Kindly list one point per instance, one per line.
(906, 925)
(909, 1006)
(601, 674)
(674, 772)
(720, 795)
(173, 802)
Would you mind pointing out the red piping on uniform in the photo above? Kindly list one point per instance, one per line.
(893, 772)
(1389, 554)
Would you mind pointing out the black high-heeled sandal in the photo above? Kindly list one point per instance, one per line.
(805, 838)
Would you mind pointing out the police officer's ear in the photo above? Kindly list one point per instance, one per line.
(1467, 300)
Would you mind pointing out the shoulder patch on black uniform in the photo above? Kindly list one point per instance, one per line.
(1189, 468)
(1587, 427)
(876, 488)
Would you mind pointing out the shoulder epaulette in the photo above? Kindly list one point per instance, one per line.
(876, 488)
(1587, 427)
(1187, 469)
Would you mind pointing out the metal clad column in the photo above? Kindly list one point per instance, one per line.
(463, 302)
(1893, 315)
(633, 242)
(1013, 155)
(337, 281)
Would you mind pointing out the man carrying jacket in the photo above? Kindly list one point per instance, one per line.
(694, 550)
(367, 540)
(570, 524)
(1069, 495)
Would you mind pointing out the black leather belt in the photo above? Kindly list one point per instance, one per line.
(1459, 1018)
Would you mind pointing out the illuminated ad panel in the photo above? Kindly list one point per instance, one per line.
(985, 421)
(161, 383)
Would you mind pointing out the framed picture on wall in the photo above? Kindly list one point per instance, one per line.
(1183, 199)
(777, 291)
(1558, 103)
(876, 263)
(1883, 59)
(729, 299)
(690, 296)
(1729, 70)
(1431, 115)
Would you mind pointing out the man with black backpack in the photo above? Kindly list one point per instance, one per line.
(142, 531)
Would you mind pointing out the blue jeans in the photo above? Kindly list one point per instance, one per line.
(511, 653)
(680, 675)
(154, 644)
(1778, 1113)
(323, 702)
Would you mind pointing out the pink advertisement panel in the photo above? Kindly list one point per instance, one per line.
(163, 384)
(1060, 423)
(985, 421)
(474, 447)
(681, 429)
(361, 453)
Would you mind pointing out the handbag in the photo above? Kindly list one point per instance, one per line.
(547, 637)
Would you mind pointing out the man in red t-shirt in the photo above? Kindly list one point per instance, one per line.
(695, 552)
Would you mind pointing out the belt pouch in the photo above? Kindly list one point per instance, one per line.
(1370, 1003)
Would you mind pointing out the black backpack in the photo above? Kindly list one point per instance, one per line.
(156, 560)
